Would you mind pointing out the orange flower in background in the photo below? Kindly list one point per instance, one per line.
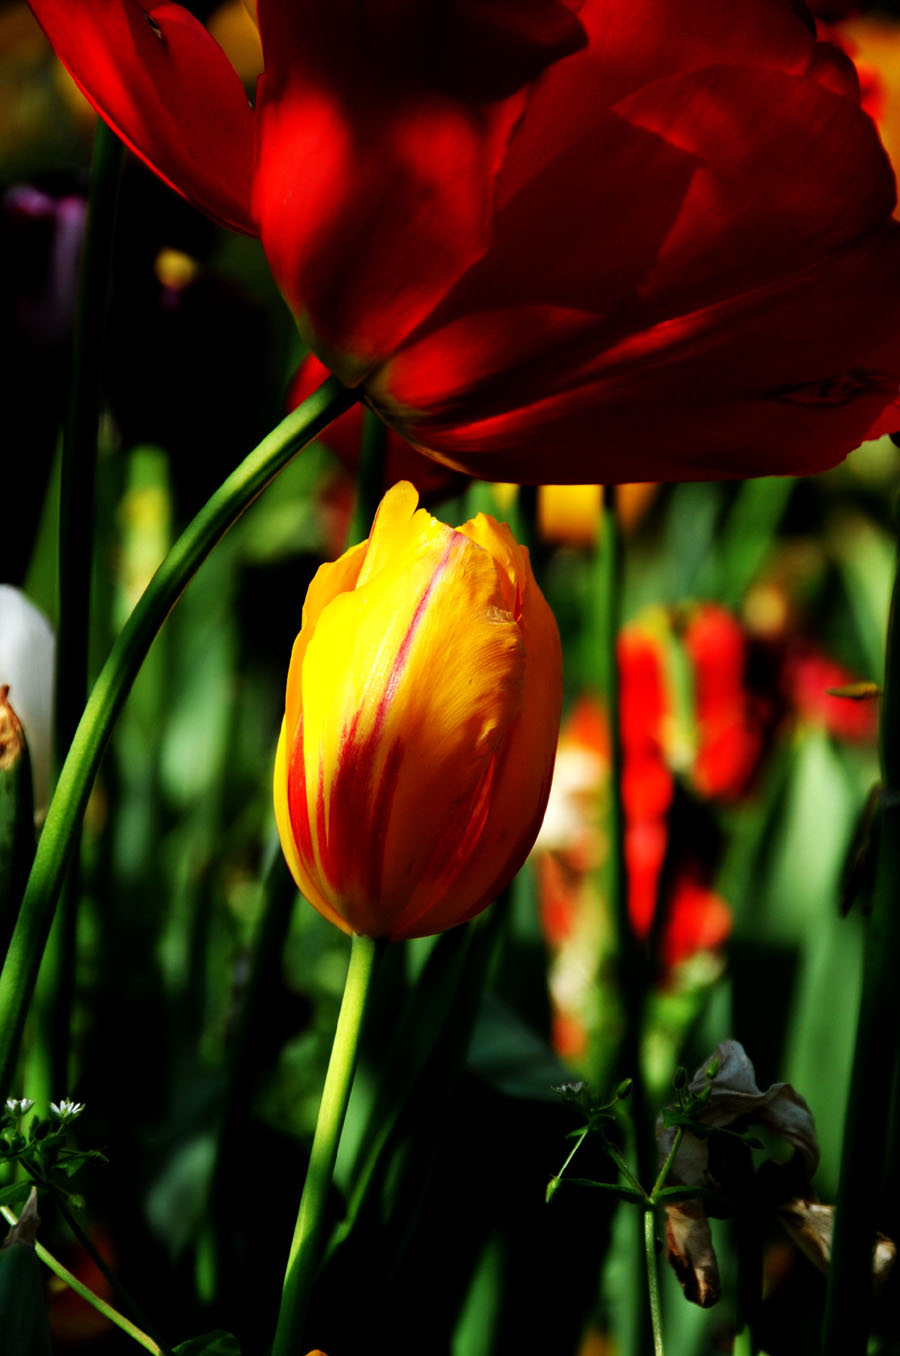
(569, 240)
(422, 713)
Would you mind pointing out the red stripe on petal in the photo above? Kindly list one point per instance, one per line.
(298, 807)
(456, 539)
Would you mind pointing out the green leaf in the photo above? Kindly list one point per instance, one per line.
(216, 1343)
(11, 1195)
(679, 1193)
(623, 1193)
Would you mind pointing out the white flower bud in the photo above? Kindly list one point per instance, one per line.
(27, 656)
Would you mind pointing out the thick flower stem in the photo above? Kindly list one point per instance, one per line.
(219, 513)
(76, 534)
(875, 1061)
(370, 477)
(305, 1253)
(631, 965)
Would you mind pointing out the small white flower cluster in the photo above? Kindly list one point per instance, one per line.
(19, 1106)
(66, 1110)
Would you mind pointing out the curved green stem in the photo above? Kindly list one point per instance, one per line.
(88, 1295)
(219, 513)
(98, 1259)
(304, 1256)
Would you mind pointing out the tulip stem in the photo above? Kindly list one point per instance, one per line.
(305, 1254)
(370, 476)
(848, 1300)
(56, 984)
(113, 684)
(632, 970)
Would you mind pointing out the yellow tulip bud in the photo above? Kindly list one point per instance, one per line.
(421, 720)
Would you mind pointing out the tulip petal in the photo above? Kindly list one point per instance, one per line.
(784, 379)
(166, 87)
(524, 769)
(491, 48)
(387, 746)
(305, 882)
(761, 205)
(585, 230)
(348, 107)
(328, 581)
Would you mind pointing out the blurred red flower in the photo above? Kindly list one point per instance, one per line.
(578, 240)
(729, 730)
(806, 676)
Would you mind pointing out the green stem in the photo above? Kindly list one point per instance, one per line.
(88, 1295)
(76, 537)
(573, 1151)
(97, 1258)
(666, 1167)
(304, 1256)
(653, 1281)
(370, 478)
(632, 969)
(848, 1300)
(219, 513)
(79, 449)
(623, 1167)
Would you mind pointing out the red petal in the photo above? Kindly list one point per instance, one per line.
(160, 81)
(784, 380)
(375, 187)
(491, 48)
(787, 174)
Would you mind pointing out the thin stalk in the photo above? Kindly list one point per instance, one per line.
(632, 970)
(653, 1281)
(305, 1253)
(219, 513)
(623, 1167)
(875, 1060)
(670, 1159)
(370, 478)
(76, 536)
(96, 1256)
(88, 1295)
(573, 1151)
(79, 448)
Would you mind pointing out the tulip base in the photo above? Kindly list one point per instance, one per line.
(305, 1254)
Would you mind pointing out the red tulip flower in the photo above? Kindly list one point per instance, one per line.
(550, 240)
